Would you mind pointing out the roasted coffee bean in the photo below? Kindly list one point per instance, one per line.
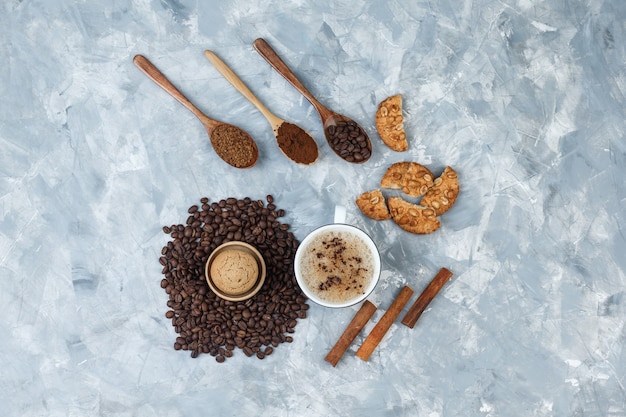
(349, 141)
(208, 324)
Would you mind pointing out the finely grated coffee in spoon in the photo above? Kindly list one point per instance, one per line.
(234, 145)
(296, 144)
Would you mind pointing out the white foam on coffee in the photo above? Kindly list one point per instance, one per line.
(350, 259)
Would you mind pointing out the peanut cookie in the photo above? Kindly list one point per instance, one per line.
(390, 123)
(442, 195)
(372, 204)
(417, 180)
(411, 217)
(394, 177)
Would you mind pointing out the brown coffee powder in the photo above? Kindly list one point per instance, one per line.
(296, 144)
(234, 146)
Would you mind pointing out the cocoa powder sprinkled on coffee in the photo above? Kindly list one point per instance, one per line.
(296, 144)
(234, 146)
(206, 323)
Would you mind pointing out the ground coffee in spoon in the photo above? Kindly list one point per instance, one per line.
(233, 145)
(298, 145)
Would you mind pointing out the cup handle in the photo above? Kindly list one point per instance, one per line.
(340, 214)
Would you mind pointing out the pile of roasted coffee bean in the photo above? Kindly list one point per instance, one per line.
(349, 141)
(206, 323)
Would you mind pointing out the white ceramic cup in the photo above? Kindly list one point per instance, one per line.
(332, 273)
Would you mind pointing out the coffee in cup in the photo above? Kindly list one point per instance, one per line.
(337, 265)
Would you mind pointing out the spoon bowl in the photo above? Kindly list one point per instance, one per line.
(235, 146)
(345, 137)
(293, 141)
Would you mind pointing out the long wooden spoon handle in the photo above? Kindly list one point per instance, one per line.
(236, 82)
(265, 50)
(161, 80)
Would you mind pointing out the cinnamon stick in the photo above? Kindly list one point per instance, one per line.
(354, 328)
(426, 297)
(383, 325)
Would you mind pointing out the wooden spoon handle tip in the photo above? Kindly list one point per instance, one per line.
(240, 86)
(162, 81)
(265, 50)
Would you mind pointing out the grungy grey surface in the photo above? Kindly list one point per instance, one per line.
(524, 98)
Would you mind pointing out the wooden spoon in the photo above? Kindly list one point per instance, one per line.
(293, 141)
(343, 134)
(232, 144)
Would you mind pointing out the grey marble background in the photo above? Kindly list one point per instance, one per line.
(524, 98)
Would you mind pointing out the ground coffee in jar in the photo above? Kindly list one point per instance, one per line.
(206, 323)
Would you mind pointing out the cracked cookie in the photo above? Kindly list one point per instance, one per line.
(412, 178)
(443, 193)
(417, 180)
(394, 176)
(390, 123)
(373, 205)
(411, 217)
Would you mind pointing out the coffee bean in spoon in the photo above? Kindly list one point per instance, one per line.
(348, 140)
(345, 137)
